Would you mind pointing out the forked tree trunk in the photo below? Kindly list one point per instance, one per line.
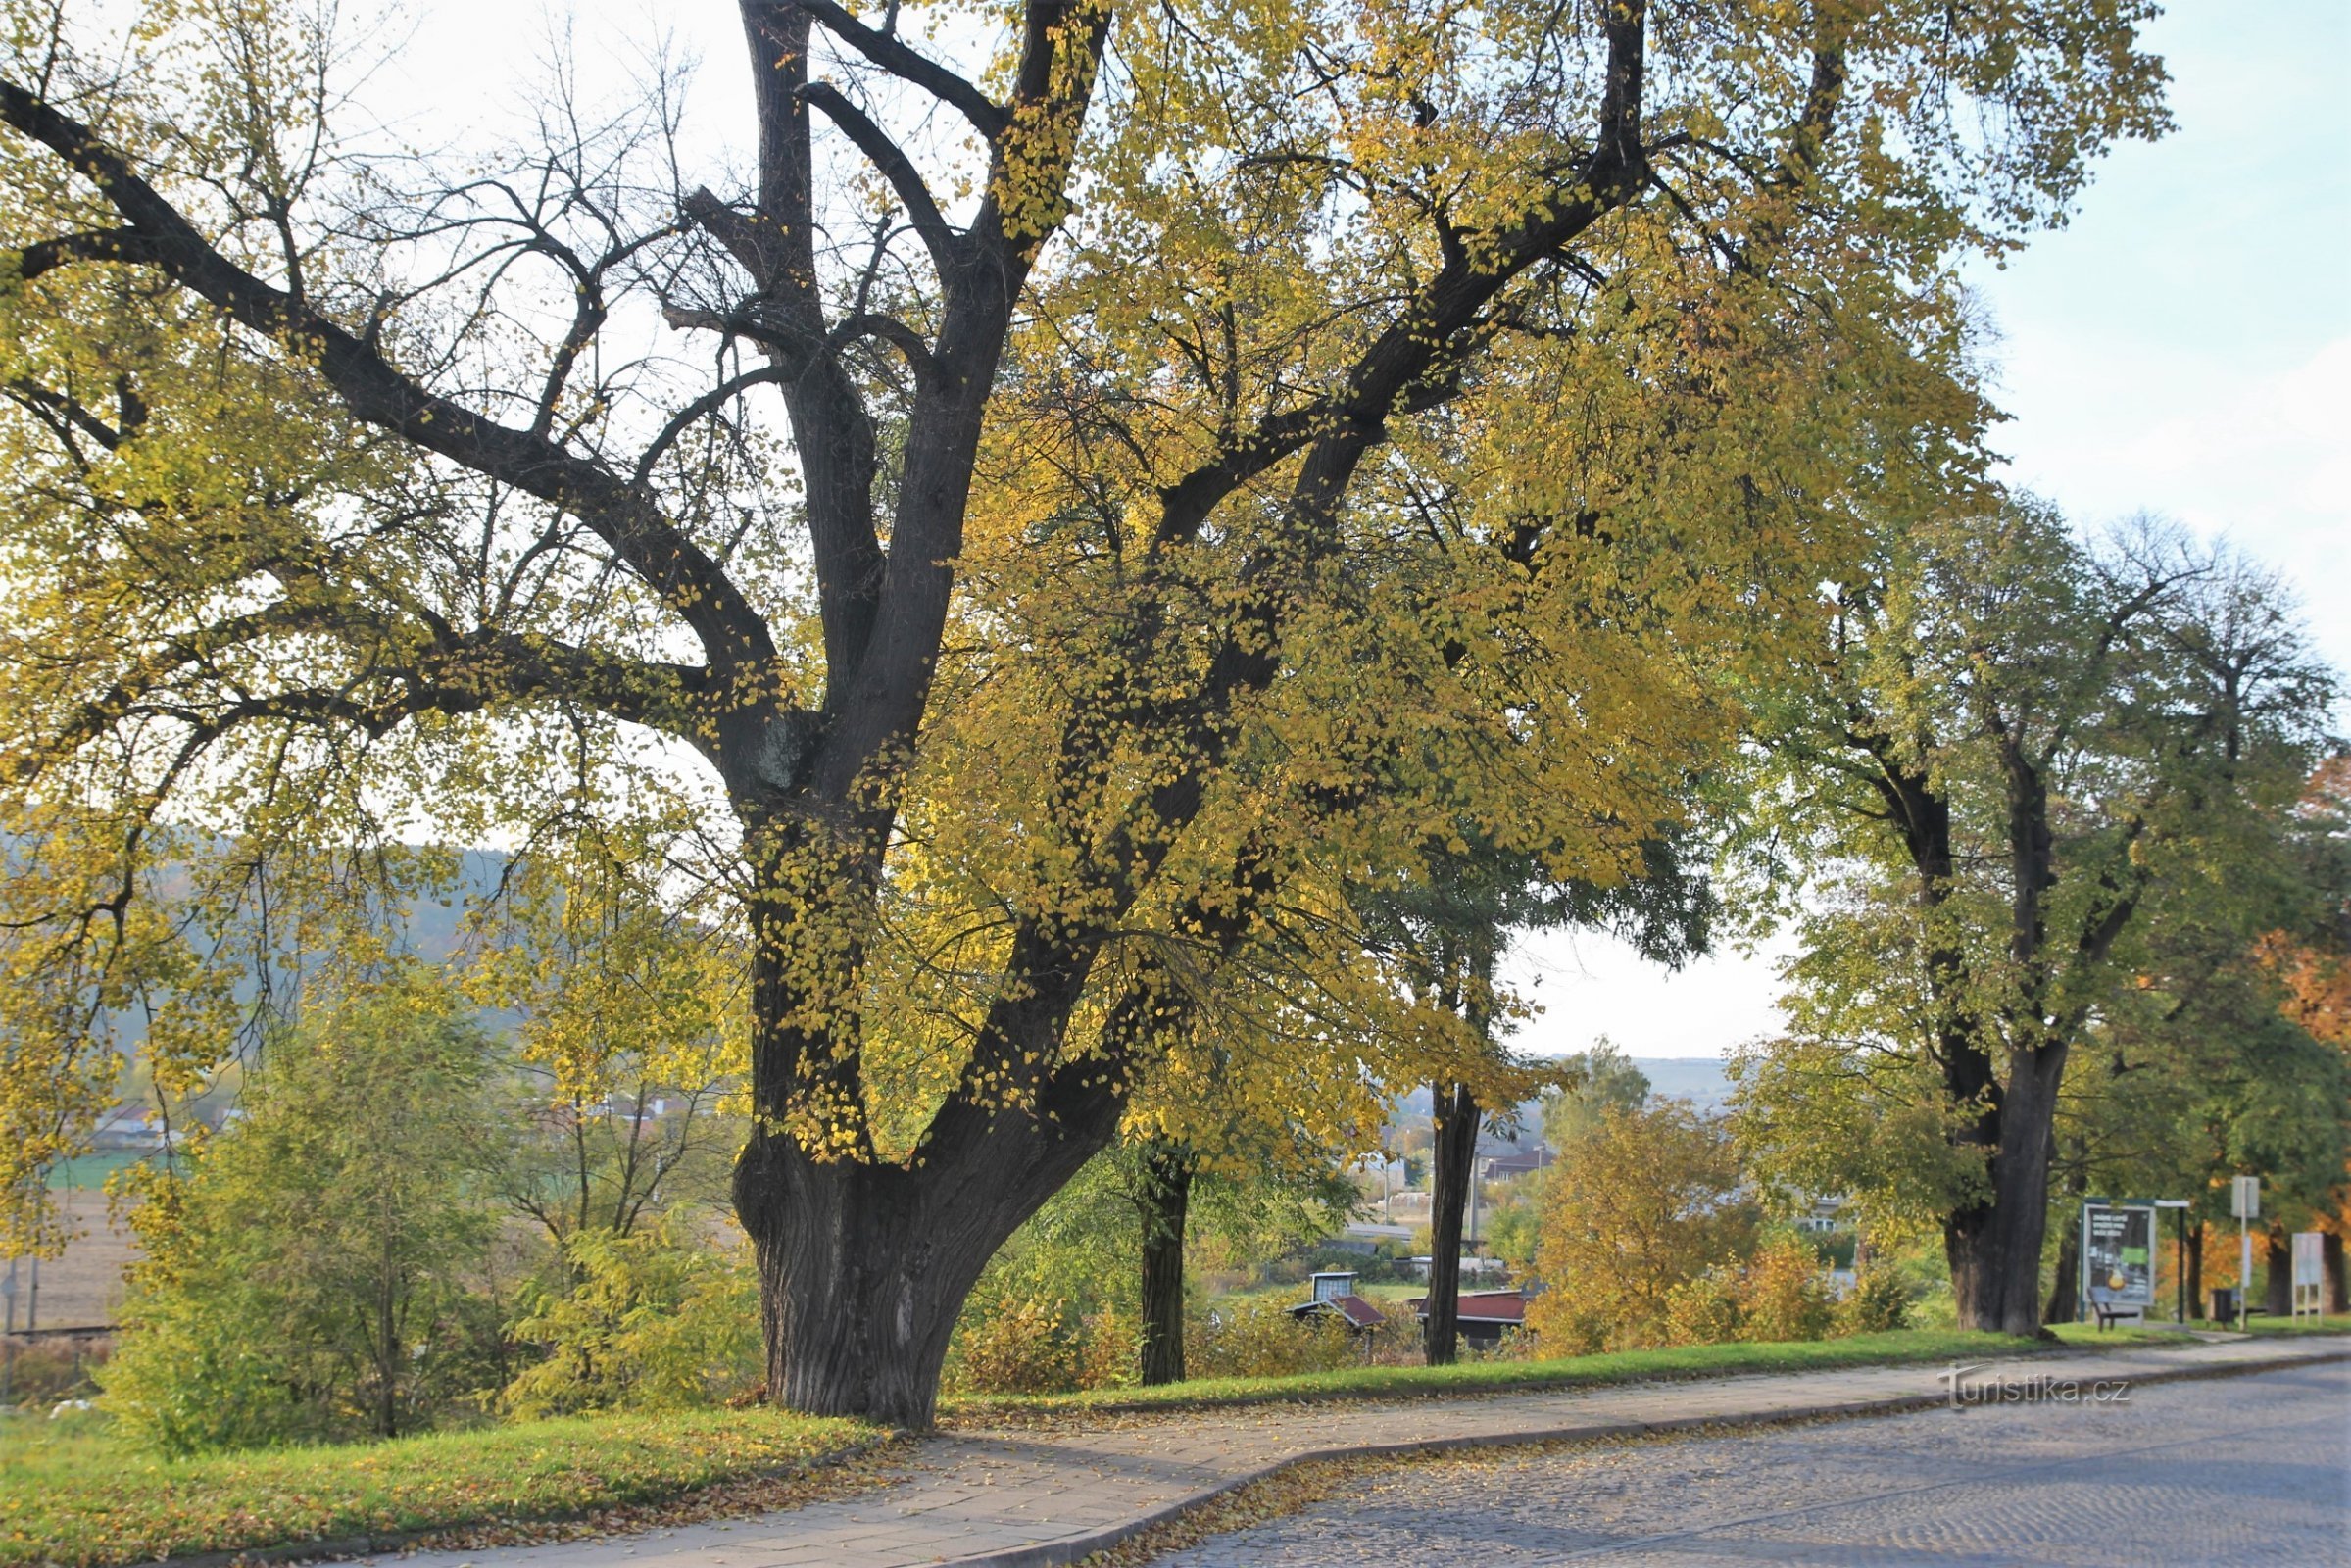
(863, 1266)
(1453, 1164)
(1166, 1197)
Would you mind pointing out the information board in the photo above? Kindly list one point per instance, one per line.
(2310, 1257)
(2118, 1255)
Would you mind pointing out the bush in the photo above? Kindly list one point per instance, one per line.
(1261, 1340)
(1879, 1302)
(311, 1277)
(1782, 1295)
(1017, 1345)
(1637, 1206)
(1703, 1310)
(659, 1320)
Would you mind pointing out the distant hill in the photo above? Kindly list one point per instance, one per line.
(1701, 1080)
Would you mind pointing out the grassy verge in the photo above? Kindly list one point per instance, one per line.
(2339, 1323)
(1489, 1377)
(2090, 1337)
(71, 1494)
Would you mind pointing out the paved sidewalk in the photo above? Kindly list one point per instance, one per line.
(1051, 1497)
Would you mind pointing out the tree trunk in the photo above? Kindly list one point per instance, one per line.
(2196, 1270)
(2338, 1279)
(1453, 1163)
(2065, 1291)
(2277, 1260)
(1994, 1244)
(863, 1266)
(1166, 1196)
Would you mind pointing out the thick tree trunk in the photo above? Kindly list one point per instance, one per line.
(2338, 1279)
(863, 1266)
(1994, 1244)
(1166, 1197)
(2278, 1263)
(1453, 1165)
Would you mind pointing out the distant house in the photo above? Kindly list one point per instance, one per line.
(1334, 1296)
(1825, 1214)
(1518, 1167)
(130, 1129)
(1485, 1316)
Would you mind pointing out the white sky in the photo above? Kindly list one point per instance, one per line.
(2184, 347)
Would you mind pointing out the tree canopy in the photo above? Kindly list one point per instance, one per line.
(1093, 484)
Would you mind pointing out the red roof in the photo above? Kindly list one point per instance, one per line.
(1483, 1307)
(1359, 1312)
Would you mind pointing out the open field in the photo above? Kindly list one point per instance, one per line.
(83, 1289)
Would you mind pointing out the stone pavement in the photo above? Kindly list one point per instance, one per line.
(1052, 1496)
(2247, 1472)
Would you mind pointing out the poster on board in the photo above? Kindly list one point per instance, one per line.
(2118, 1255)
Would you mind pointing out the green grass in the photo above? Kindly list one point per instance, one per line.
(91, 1171)
(72, 1493)
(2262, 1323)
(1483, 1376)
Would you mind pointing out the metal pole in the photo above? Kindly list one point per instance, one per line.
(2180, 1266)
(2244, 1268)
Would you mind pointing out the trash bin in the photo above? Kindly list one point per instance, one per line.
(2224, 1305)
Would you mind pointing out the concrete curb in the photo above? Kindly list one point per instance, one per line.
(1075, 1549)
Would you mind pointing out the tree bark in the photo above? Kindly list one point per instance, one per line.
(1166, 1197)
(2196, 1270)
(864, 1266)
(1453, 1161)
(2338, 1279)
(2065, 1291)
(2278, 1268)
(1995, 1243)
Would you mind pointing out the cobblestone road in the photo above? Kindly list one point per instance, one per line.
(2250, 1470)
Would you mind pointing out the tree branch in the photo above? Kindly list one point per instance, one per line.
(917, 70)
(626, 518)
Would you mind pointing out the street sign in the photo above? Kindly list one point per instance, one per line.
(2310, 1274)
(2118, 1255)
(2244, 1198)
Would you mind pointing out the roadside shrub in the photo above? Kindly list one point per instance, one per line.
(1641, 1203)
(1261, 1340)
(1878, 1302)
(1016, 1345)
(662, 1319)
(1781, 1294)
(1703, 1310)
(1110, 1349)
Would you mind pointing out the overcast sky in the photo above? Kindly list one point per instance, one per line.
(2184, 347)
